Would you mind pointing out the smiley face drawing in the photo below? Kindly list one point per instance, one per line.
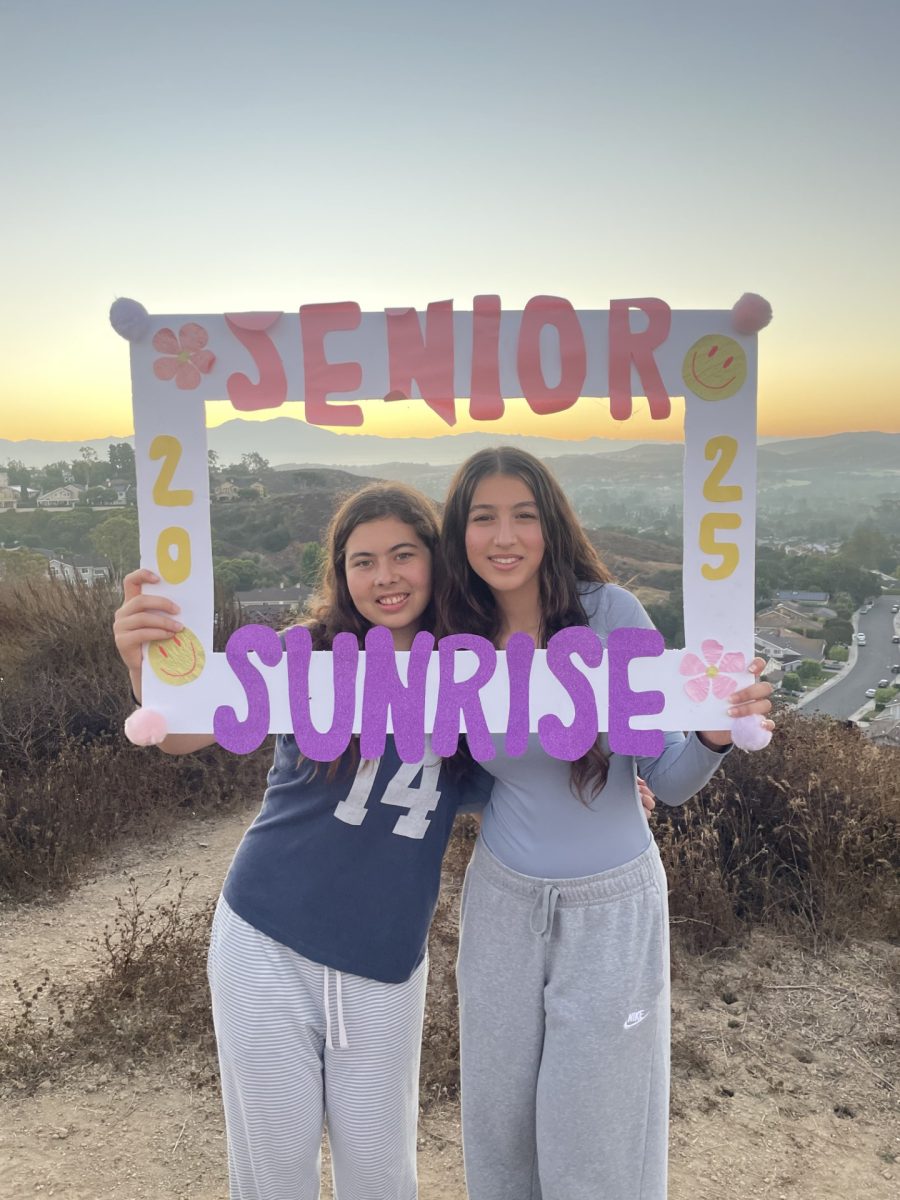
(715, 367)
(178, 659)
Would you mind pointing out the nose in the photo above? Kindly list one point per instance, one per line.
(504, 534)
(385, 572)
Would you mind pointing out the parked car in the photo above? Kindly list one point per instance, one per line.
(884, 683)
(895, 669)
(861, 639)
(896, 639)
(895, 608)
(870, 692)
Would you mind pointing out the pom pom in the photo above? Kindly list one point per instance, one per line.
(146, 727)
(751, 313)
(749, 733)
(129, 319)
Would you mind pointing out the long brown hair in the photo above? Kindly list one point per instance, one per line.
(465, 602)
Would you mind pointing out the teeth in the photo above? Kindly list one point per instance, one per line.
(504, 562)
(390, 601)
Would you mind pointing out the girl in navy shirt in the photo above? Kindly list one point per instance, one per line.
(317, 959)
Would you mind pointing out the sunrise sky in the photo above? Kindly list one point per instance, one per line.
(219, 156)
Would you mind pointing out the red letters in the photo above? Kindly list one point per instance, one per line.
(321, 376)
(627, 347)
(551, 310)
(485, 398)
(271, 391)
(428, 360)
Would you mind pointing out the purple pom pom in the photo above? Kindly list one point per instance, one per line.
(749, 733)
(129, 319)
(146, 727)
(751, 314)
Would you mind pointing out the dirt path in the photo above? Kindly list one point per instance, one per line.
(785, 1068)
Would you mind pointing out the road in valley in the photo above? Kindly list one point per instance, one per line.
(873, 663)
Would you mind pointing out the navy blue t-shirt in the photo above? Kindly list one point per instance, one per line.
(346, 870)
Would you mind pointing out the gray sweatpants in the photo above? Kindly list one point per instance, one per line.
(564, 1017)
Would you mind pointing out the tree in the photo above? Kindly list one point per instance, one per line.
(838, 653)
(18, 474)
(808, 671)
(88, 458)
(121, 461)
(867, 547)
(242, 574)
(837, 631)
(253, 463)
(117, 539)
(791, 682)
(214, 462)
(54, 475)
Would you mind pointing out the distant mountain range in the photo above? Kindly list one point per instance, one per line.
(287, 442)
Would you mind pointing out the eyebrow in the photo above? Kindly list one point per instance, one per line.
(392, 550)
(518, 504)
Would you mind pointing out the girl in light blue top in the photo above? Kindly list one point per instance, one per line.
(563, 965)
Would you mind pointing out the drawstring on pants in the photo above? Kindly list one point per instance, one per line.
(544, 911)
(342, 1032)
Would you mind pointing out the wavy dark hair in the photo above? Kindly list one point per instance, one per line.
(466, 604)
(331, 610)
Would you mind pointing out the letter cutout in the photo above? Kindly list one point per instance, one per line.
(383, 690)
(519, 657)
(622, 646)
(428, 360)
(459, 698)
(330, 744)
(321, 376)
(485, 397)
(242, 737)
(551, 310)
(271, 390)
(570, 742)
(627, 347)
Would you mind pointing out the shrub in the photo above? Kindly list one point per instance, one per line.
(71, 783)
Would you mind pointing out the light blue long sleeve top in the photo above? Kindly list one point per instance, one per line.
(535, 824)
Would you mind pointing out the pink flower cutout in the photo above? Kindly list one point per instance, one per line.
(186, 359)
(712, 671)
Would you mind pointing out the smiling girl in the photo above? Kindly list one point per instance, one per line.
(317, 959)
(563, 963)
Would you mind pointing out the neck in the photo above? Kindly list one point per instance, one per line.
(520, 612)
(403, 638)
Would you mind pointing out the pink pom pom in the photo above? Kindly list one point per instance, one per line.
(146, 727)
(129, 319)
(749, 733)
(751, 313)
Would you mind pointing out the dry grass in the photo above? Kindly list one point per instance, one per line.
(148, 996)
(70, 783)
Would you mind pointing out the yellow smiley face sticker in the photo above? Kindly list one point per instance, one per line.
(178, 659)
(715, 367)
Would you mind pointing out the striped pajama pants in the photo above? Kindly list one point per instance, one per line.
(302, 1046)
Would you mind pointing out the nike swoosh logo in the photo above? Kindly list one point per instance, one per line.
(635, 1018)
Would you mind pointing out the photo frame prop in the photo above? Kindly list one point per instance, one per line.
(338, 361)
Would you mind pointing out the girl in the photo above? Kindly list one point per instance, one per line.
(563, 964)
(317, 958)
